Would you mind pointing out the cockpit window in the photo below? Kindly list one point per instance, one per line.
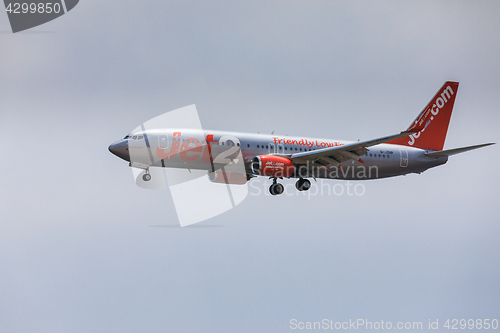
(134, 137)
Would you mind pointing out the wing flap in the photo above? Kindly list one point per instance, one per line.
(344, 153)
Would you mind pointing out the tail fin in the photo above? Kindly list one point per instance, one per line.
(432, 123)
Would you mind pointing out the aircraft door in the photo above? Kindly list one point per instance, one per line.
(280, 149)
(163, 141)
(272, 148)
(403, 162)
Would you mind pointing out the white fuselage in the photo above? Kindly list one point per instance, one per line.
(211, 150)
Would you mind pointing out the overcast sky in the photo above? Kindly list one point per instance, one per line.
(83, 249)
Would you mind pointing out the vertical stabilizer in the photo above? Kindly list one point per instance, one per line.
(432, 123)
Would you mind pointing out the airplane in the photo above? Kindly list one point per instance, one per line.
(413, 150)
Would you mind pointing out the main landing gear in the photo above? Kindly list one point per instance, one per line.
(276, 188)
(301, 185)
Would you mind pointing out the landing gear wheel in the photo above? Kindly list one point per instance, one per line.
(146, 177)
(276, 189)
(303, 184)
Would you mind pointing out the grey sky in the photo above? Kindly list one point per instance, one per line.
(82, 249)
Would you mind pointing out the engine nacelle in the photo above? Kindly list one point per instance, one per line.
(272, 166)
(225, 177)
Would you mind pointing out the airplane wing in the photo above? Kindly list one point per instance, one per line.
(339, 154)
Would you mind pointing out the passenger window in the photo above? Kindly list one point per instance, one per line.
(258, 146)
(248, 145)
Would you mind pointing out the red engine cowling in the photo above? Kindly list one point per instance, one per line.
(272, 166)
(225, 177)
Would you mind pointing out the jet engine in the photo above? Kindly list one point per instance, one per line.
(272, 166)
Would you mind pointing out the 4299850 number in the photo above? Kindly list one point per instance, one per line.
(486, 324)
(41, 8)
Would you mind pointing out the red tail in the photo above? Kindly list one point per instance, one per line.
(432, 123)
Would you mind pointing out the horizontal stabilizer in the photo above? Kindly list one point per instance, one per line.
(455, 151)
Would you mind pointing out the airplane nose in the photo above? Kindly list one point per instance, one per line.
(120, 149)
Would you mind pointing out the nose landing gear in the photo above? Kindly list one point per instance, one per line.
(146, 177)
